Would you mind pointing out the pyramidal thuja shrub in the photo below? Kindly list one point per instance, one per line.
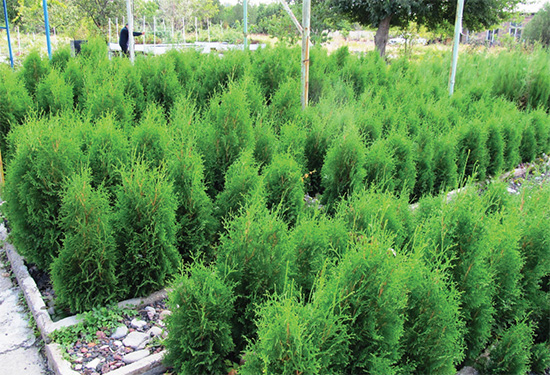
(292, 141)
(53, 94)
(461, 242)
(343, 171)
(512, 350)
(511, 136)
(130, 76)
(528, 146)
(230, 133)
(83, 275)
(285, 103)
(34, 69)
(145, 230)
(534, 203)
(266, 143)
(433, 332)
(254, 255)
(201, 301)
(150, 140)
(107, 153)
(61, 57)
(445, 164)
(425, 164)
(495, 149)
(369, 211)
(294, 337)
(241, 182)
(472, 157)
(14, 105)
(160, 81)
(194, 213)
(284, 187)
(380, 165)
(404, 155)
(45, 154)
(104, 93)
(74, 76)
(370, 282)
(540, 122)
(315, 239)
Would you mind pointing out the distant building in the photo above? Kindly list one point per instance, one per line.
(514, 28)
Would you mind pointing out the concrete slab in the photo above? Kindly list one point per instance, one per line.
(19, 352)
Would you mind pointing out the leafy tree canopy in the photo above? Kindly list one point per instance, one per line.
(538, 29)
(382, 14)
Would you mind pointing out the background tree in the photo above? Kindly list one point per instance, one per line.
(538, 29)
(478, 14)
(101, 10)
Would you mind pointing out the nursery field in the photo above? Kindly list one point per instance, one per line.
(287, 237)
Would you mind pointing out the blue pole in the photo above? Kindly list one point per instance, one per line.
(47, 21)
(8, 31)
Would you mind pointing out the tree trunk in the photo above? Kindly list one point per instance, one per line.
(381, 37)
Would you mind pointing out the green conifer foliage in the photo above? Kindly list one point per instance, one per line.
(368, 211)
(297, 338)
(231, 133)
(404, 155)
(370, 281)
(445, 166)
(151, 139)
(285, 103)
(108, 151)
(528, 145)
(380, 165)
(425, 164)
(343, 171)
(53, 94)
(433, 333)
(241, 182)
(511, 353)
(34, 69)
(74, 76)
(201, 302)
(284, 187)
(45, 154)
(145, 230)
(14, 104)
(534, 204)
(511, 135)
(266, 143)
(61, 57)
(495, 149)
(254, 254)
(471, 151)
(461, 240)
(194, 214)
(83, 274)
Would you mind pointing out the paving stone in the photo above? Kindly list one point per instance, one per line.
(135, 356)
(135, 339)
(120, 332)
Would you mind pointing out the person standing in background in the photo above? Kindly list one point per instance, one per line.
(123, 39)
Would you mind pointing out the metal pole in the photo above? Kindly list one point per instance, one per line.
(306, 17)
(245, 24)
(196, 31)
(47, 21)
(208, 27)
(130, 30)
(8, 34)
(458, 30)
(18, 40)
(143, 30)
(154, 32)
(183, 29)
(109, 32)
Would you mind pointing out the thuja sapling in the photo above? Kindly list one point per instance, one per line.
(370, 280)
(242, 181)
(83, 275)
(34, 69)
(150, 140)
(255, 255)
(53, 94)
(230, 134)
(471, 150)
(343, 171)
(266, 143)
(495, 149)
(380, 165)
(202, 305)
(145, 230)
(284, 187)
(45, 155)
(107, 152)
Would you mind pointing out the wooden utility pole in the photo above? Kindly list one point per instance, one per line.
(458, 31)
(245, 24)
(304, 30)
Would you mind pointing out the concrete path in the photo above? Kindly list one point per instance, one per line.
(19, 352)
